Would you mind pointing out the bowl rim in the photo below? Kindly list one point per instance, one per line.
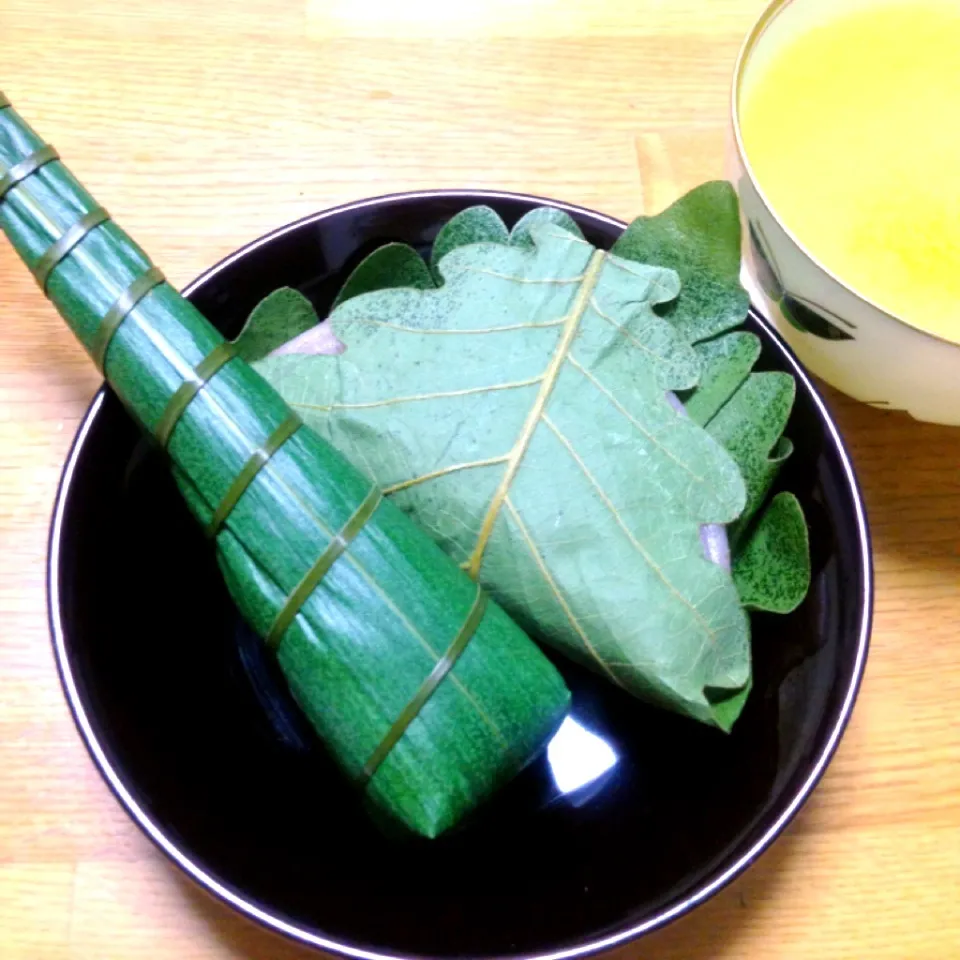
(246, 906)
(766, 17)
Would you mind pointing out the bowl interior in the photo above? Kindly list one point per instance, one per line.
(193, 728)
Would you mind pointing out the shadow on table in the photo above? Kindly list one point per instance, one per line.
(711, 932)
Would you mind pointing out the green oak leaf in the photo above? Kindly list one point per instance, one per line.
(755, 410)
(699, 237)
(277, 319)
(519, 413)
(772, 569)
(392, 265)
(727, 708)
(727, 362)
(521, 235)
(750, 426)
(474, 225)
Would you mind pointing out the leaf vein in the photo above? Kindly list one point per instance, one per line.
(555, 589)
(638, 546)
(629, 337)
(413, 398)
(535, 280)
(591, 277)
(564, 235)
(629, 416)
(400, 328)
(442, 472)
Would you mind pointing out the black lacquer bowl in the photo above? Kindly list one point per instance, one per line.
(192, 729)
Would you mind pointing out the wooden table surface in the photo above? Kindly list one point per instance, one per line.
(203, 125)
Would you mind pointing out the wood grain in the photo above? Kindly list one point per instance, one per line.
(201, 126)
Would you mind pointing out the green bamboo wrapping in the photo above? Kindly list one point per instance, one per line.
(382, 618)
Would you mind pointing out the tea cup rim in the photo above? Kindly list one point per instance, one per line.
(747, 48)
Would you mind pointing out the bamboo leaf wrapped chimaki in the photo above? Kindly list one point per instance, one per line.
(426, 693)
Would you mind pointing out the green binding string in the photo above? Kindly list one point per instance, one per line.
(324, 562)
(26, 168)
(62, 246)
(204, 371)
(119, 312)
(427, 689)
(257, 461)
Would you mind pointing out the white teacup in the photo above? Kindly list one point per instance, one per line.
(840, 335)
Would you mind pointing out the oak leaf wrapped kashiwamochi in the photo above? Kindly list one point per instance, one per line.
(425, 692)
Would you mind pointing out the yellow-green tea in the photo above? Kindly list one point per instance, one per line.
(850, 118)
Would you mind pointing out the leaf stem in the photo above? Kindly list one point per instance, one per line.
(590, 278)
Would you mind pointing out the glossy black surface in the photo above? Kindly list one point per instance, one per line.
(192, 728)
